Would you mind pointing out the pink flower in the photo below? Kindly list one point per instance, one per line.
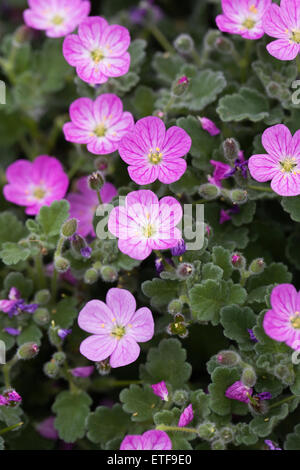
(56, 17)
(98, 51)
(224, 216)
(282, 322)
(221, 172)
(82, 371)
(154, 153)
(281, 164)
(117, 327)
(283, 23)
(100, 124)
(209, 126)
(35, 184)
(145, 224)
(160, 389)
(186, 416)
(84, 201)
(46, 428)
(243, 17)
(238, 391)
(150, 440)
(3, 401)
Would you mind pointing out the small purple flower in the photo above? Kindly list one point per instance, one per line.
(63, 333)
(179, 249)
(159, 265)
(15, 305)
(252, 335)
(150, 440)
(160, 389)
(186, 416)
(220, 173)
(12, 331)
(86, 252)
(47, 430)
(82, 371)
(241, 165)
(224, 216)
(263, 396)
(238, 391)
(138, 15)
(271, 445)
(13, 396)
(3, 401)
(209, 126)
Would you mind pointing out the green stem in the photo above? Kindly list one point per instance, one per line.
(161, 38)
(99, 197)
(265, 189)
(285, 400)
(59, 247)
(245, 62)
(54, 284)
(78, 162)
(244, 276)
(10, 428)
(40, 277)
(163, 427)
(168, 106)
(196, 58)
(298, 62)
(6, 371)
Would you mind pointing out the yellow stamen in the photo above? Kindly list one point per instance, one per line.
(97, 55)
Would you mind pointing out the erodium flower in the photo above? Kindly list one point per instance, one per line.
(15, 305)
(238, 391)
(154, 153)
(84, 201)
(46, 428)
(35, 184)
(82, 371)
(56, 17)
(282, 322)
(283, 23)
(186, 416)
(220, 172)
(116, 327)
(271, 445)
(145, 224)
(243, 17)
(99, 51)
(160, 389)
(100, 124)
(209, 126)
(282, 162)
(150, 440)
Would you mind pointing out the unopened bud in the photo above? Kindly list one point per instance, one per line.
(22, 35)
(218, 444)
(91, 276)
(207, 431)
(59, 357)
(175, 306)
(103, 367)
(238, 261)
(109, 274)
(96, 180)
(61, 264)
(249, 377)
(209, 191)
(42, 297)
(41, 316)
(227, 434)
(185, 270)
(257, 266)
(69, 227)
(180, 397)
(78, 243)
(239, 196)
(231, 150)
(228, 358)
(51, 369)
(180, 86)
(224, 45)
(101, 164)
(211, 36)
(28, 351)
(184, 44)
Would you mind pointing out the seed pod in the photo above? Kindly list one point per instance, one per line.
(69, 228)
(184, 44)
(209, 191)
(109, 274)
(59, 357)
(239, 196)
(42, 297)
(249, 377)
(228, 358)
(61, 264)
(41, 316)
(257, 266)
(51, 369)
(96, 181)
(91, 276)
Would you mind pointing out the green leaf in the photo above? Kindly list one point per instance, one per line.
(71, 411)
(51, 218)
(188, 184)
(12, 253)
(52, 78)
(66, 312)
(105, 424)
(143, 101)
(247, 104)
(275, 273)
(30, 334)
(11, 229)
(167, 67)
(236, 322)
(245, 215)
(16, 279)
(211, 271)
(292, 206)
(173, 369)
(137, 51)
(222, 379)
(1, 443)
(293, 439)
(160, 291)
(210, 296)
(10, 415)
(222, 258)
(140, 402)
(204, 89)
(262, 426)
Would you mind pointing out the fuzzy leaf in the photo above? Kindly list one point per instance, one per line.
(140, 402)
(51, 218)
(105, 424)
(247, 104)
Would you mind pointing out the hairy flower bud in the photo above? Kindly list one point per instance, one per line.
(209, 191)
(101, 164)
(207, 431)
(91, 276)
(180, 397)
(218, 444)
(238, 261)
(96, 180)
(180, 86)
(224, 45)
(61, 264)
(185, 270)
(227, 434)
(51, 369)
(231, 150)
(249, 377)
(184, 44)
(257, 266)
(42, 297)
(228, 358)
(175, 306)
(210, 38)
(239, 196)
(109, 274)
(22, 35)
(28, 351)
(41, 316)
(69, 228)
(103, 367)
(59, 357)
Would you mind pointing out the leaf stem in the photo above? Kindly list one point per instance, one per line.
(163, 427)
(161, 38)
(10, 428)
(260, 188)
(281, 402)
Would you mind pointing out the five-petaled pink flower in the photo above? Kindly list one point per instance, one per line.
(56, 17)
(145, 223)
(243, 17)
(35, 184)
(209, 126)
(116, 328)
(150, 440)
(281, 164)
(154, 153)
(283, 23)
(84, 201)
(186, 416)
(282, 322)
(100, 124)
(99, 51)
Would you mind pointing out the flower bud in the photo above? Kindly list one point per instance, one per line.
(180, 397)
(273, 89)
(227, 434)
(180, 86)
(109, 274)
(209, 191)
(257, 266)
(284, 373)
(78, 244)
(184, 44)
(101, 164)
(249, 377)
(51, 369)
(207, 431)
(42, 297)
(178, 328)
(91, 276)
(218, 444)
(239, 196)
(27, 351)
(231, 150)
(59, 357)
(103, 367)
(175, 306)
(238, 261)
(211, 37)
(41, 316)
(22, 35)
(69, 228)
(96, 181)
(224, 45)
(179, 249)
(61, 264)
(185, 270)
(228, 358)
(54, 339)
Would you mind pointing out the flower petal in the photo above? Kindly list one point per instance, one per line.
(156, 440)
(283, 49)
(127, 351)
(122, 303)
(284, 299)
(286, 184)
(276, 140)
(263, 167)
(97, 348)
(141, 325)
(96, 317)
